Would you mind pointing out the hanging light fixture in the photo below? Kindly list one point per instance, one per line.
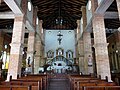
(59, 21)
(60, 37)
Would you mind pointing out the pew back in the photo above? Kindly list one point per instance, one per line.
(101, 88)
(11, 87)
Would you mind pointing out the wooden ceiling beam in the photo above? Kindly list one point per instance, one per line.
(111, 15)
(46, 10)
(48, 3)
(46, 16)
(13, 6)
(43, 2)
(82, 2)
(7, 15)
(50, 18)
(104, 5)
(70, 10)
(70, 19)
(71, 2)
(39, 1)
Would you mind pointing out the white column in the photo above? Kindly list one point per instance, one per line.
(118, 7)
(30, 53)
(15, 63)
(87, 45)
(101, 50)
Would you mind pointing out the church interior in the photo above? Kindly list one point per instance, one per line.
(59, 44)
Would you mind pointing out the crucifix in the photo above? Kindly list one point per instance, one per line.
(59, 38)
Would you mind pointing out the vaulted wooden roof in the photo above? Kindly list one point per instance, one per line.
(113, 23)
(66, 10)
(53, 11)
(5, 23)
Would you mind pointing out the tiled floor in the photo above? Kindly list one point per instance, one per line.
(59, 84)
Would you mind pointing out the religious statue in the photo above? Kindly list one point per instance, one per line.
(90, 63)
(28, 60)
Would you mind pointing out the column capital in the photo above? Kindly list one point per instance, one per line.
(31, 33)
(30, 52)
(16, 48)
(17, 44)
(96, 15)
(100, 45)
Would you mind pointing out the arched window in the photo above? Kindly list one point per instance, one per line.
(69, 54)
(59, 51)
(50, 54)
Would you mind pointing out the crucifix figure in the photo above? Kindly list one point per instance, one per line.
(59, 39)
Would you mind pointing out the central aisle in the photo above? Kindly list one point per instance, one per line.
(59, 82)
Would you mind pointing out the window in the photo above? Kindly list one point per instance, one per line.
(89, 5)
(59, 51)
(36, 21)
(50, 54)
(29, 6)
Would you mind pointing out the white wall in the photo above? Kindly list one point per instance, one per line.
(68, 41)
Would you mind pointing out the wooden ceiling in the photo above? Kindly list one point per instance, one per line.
(5, 23)
(53, 11)
(113, 23)
(66, 10)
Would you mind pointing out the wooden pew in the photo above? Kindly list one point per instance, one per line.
(38, 82)
(112, 88)
(37, 76)
(93, 88)
(100, 88)
(83, 80)
(106, 84)
(77, 81)
(83, 84)
(96, 83)
(99, 84)
(12, 87)
(35, 84)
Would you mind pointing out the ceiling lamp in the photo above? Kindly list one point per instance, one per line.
(59, 21)
(59, 37)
